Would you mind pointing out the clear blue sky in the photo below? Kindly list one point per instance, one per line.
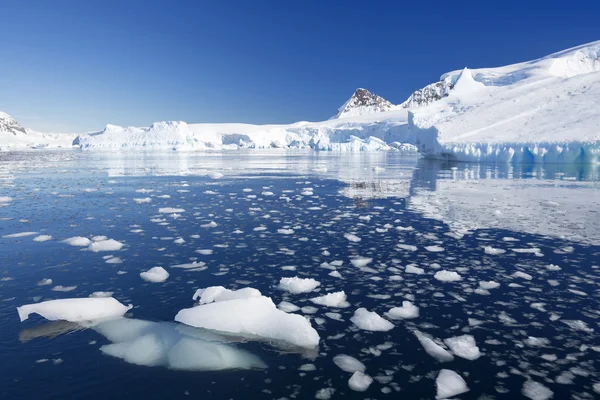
(78, 65)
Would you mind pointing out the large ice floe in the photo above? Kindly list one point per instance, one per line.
(75, 310)
(243, 313)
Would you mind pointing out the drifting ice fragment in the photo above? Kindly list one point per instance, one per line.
(449, 384)
(348, 363)
(370, 321)
(336, 300)
(297, 285)
(463, 346)
(156, 275)
(407, 311)
(219, 293)
(359, 381)
(75, 310)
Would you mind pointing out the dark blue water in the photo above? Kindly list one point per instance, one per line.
(74, 194)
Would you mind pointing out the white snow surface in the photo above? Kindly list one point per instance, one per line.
(253, 317)
(75, 310)
(540, 111)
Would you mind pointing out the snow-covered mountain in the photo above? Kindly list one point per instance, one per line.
(9, 125)
(543, 110)
(14, 136)
(362, 102)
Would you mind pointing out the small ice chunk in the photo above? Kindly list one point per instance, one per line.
(78, 241)
(407, 311)
(449, 384)
(60, 288)
(75, 310)
(288, 307)
(155, 274)
(434, 249)
(352, 237)
(325, 393)
(219, 293)
(297, 285)
(370, 321)
(142, 200)
(407, 247)
(105, 245)
(493, 251)
(19, 235)
(536, 391)
(335, 274)
(413, 269)
(359, 381)
(359, 262)
(433, 349)
(487, 285)
(45, 282)
(214, 175)
(170, 210)
(523, 275)
(205, 252)
(42, 238)
(283, 231)
(348, 363)
(102, 294)
(447, 276)
(463, 346)
(336, 300)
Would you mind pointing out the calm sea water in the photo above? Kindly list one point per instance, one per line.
(541, 324)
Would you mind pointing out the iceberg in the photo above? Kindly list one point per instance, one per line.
(75, 310)
(252, 317)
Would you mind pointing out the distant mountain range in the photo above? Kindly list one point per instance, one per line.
(543, 110)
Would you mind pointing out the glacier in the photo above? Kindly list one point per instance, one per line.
(539, 111)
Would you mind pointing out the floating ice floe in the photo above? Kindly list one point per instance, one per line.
(348, 363)
(463, 346)
(361, 261)
(352, 237)
(255, 317)
(407, 311)
(75, 310)
(19, 235)
(105, 245)
(359, 381)
(413, 269)
(297, 285)
(487, 285)
(219, 293)
(42, 238)
(155, 275)
(142, 200)
(536, 391)
(287, 307)
(433, 349)
(45, 282)
(493, 251)
(447, 276)
(78, 241)
(335, 300)
(370, 321)
(449, 384)
(170, 210)
(172, 346)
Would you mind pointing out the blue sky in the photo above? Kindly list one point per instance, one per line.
(78, 65)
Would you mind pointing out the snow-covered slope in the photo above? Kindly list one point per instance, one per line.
(538, 111)
(363, 102)
(14, 136)
(381, 131)
(543, 110)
